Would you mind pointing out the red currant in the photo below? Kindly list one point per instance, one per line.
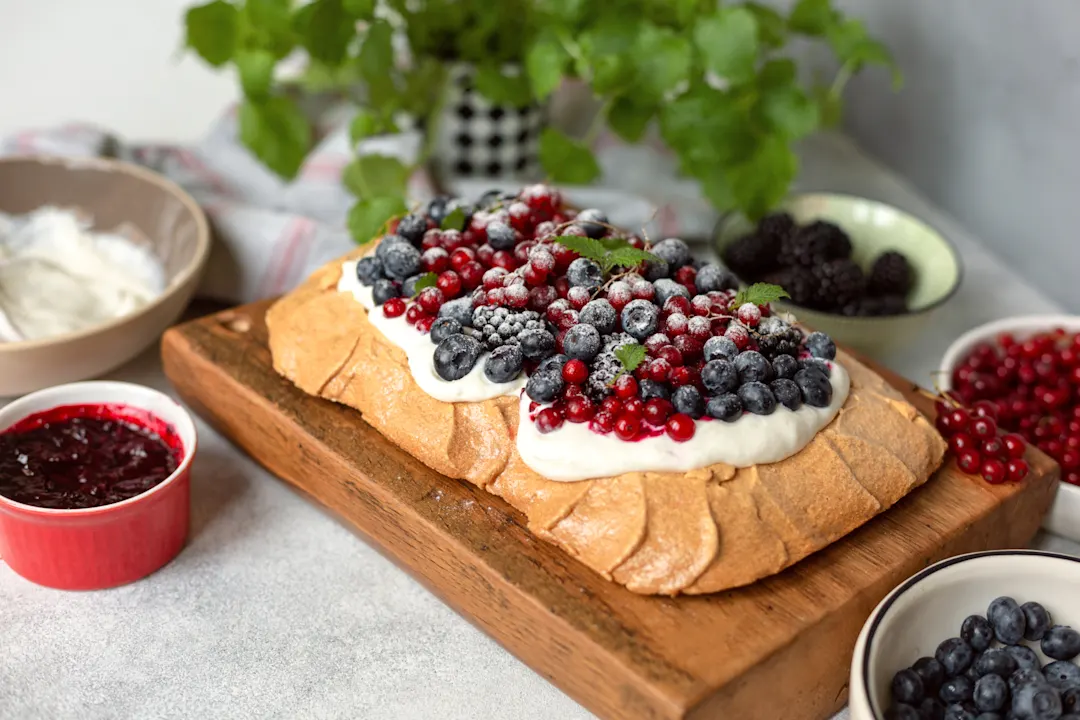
(984, 408)
(435, 260)
(602, 422)
(450, 283)
(430, 299)
(738, 335)
(575, 371)
(684, 376)
(627, 426)
(548, 420)
(579, 410)
(690, 347)
(654, 342)
(657, 410)
(394, 307)
(676, 324)
(961, 442)
(677, 304)
(686, 275)
(424, 324)
(701, 305)
(578, 296)
(680, 427)
(671, 354)
(625, 386)
(504, 259)
(749, 314)
(540, 298)
(969, 461)
(611, 405)
(568, 319)
(1015, 445)
(982, 427)
(471, 274)
(993, 447)
(993, 471)
(699, 328)
(1016, 469)
(414, 313)
(659, 370)
(521, 217)
(1070, 459)
(643, 290)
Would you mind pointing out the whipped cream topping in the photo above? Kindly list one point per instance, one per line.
(418, 347)
(574, 452)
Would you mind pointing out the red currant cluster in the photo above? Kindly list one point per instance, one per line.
(973, 437)
(1032, 387)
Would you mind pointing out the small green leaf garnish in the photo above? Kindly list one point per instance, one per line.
(583, 246)
(454, 220)
(759, 294)
(426, 280)
(609, 253)
(627, 256)
(630, 355)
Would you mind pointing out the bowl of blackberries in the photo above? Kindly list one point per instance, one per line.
(862, 271)
(985, 636)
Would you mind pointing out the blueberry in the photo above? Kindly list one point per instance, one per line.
(536, 344)
(503, 364)
(368, 270)
(1007, 619)
(443, 205)
(713, 277)
(815, 387)
(582, 342)
(673, 251)
(989, 716)
(456, 356)
(931, 709)
(1037, 620)
(976, 632)
(1025, 657)
(955, 656)
(649, 389)
(544, 385)
(1024, 677)
(784, 366)
(901, 711)
(460, 310)
(719, 377)
(907, 687)
(399, 259)
(787, 393)
(821, 346)
(600, 314)
(995, 661)
(727, 407)
(1061, 643)
(757, 398)
(1062, 674)
(585, 273)
(931, 672)
(958, 712)
(657, 270)
(640, 318)
(589, 220)
(489, 199)
(384, 290)
(753, 367)
(1069, 716)
(1070, 700)
(1036, 702)
(668, 289)
(412, 227)
(956, 690)
(687, 399)
(443, 328)
(555, 363)
(720, 348)
(408, 288)
(501, 236)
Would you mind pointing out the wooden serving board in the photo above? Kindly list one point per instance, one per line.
(779, 648)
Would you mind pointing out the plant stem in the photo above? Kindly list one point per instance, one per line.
(597, 123)
(843, 75)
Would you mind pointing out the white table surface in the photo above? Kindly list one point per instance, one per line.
(276, 610)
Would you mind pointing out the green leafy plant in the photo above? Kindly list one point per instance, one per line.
(717, 78)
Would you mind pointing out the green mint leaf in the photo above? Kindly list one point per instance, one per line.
(709, 129)
(364, 124)
(270, 25)
(762, 181)
(565, 160)
(663, 60)
(606, 51)
(583, 246)
(630, 356)
(368, 216)
(212, 31)
(426, 280)
(629, 119)
(759, 294)
(277, 132)
(502, 89)
(812, 17)
(360, 9)
(423, 81)
(772, 28)
(628, 257)
(256, 69)
(329, 31)
(376, 57)
(789, 111)
(856, 49)
(375, 176)
(454, 220)
(728, 40)
(544, 64)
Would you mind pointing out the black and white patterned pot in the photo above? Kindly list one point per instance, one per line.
(475, 138)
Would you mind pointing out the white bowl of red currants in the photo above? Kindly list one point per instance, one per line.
(986, 635)
(1028, 368)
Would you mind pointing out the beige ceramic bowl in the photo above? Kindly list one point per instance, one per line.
(114, 194)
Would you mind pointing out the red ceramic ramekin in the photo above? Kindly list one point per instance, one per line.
(100, 547)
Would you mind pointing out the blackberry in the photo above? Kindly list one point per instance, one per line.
(785, 342)
(798, 282)
(754, 255)
(814, 244)
(890, 275)
(839, 282)
(780, 224)
(500, 326)
(605, 366)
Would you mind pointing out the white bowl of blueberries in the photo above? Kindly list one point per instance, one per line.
(984, 636)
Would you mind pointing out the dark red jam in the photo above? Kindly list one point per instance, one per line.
(83, 456)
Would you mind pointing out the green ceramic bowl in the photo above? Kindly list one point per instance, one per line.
(874, 227)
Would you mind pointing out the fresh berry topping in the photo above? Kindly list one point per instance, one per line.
(738, 335)
(575, 371)
(548, 420)
(679, 427)
(720, 348)
(442, 328)
(627, 426)
(369, 270)
(619, 295)
(383, 290)
(592, 221)
(675, 324)
(579, 409)
(584, 273)
(784, 366)
(578, 297)
(456, 356)
(503, 364)
(688, 401)
(681, 376)
(602, 422)
(749, 315)
(394, 307)
(643, 290)
(471, 274)
(821, 346)
(753, 367)
(712, 278)
(993, 471)
(640, 318)
(657, 411)
(625, 387)
(787, 393)
(671, 354)
(600, 314)
(414, 313)
(431, 299)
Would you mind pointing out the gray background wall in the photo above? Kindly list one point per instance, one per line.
(988, 122)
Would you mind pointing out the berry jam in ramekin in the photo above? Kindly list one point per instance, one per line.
(83, 456)
(133, 444)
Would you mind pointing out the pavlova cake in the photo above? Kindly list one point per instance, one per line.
(660, 425)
